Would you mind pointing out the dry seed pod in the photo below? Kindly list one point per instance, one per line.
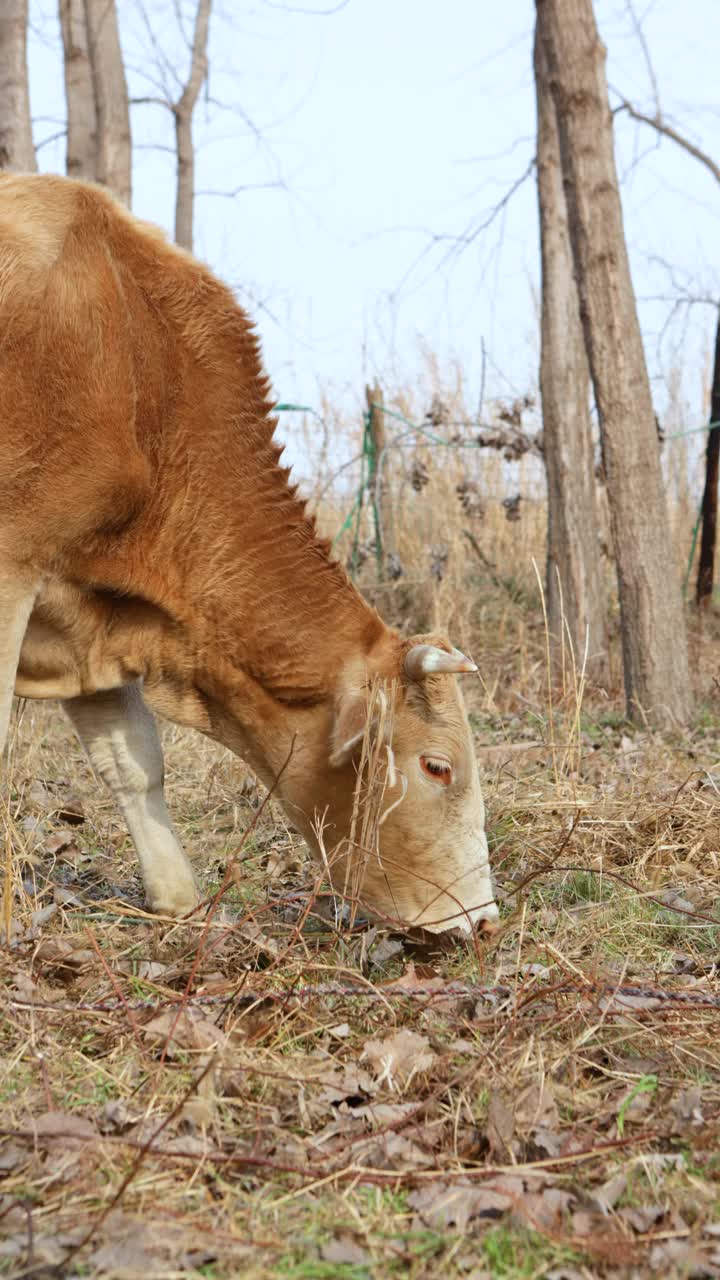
(419, 475)
(393, 566)
(470, 500)
(359, 555)
(438, 561)
(438, 413)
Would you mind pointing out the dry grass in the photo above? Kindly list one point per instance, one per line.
(274, 1092)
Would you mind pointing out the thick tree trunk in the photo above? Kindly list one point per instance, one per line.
(82, 145)
(17, 152)
(574, 584)
(706, 569)
(184, 107)
(657, 683)
(113, 164)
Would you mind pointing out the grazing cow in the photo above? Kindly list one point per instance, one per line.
(154, 555)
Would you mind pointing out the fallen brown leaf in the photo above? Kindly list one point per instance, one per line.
(186, 1031)
(63, 958)
(398, 1057)
(442, 1205)
(344, 1251)
(500, 1124)
(62, 1126)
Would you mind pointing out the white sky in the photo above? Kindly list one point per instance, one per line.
(391, 121)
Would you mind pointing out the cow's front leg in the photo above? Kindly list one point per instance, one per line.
(16, 603)
(121, 739)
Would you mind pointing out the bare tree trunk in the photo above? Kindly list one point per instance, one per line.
(184, 107)
(706, 568)
(17, 152)
(574, 585)
(657, 682)
(114, 159)
(81, 154)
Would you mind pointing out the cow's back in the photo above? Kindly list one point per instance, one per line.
(83, 362)
(120, 354)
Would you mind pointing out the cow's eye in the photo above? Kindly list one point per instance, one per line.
(439, 770)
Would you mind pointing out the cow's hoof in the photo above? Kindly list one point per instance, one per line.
(176, 902)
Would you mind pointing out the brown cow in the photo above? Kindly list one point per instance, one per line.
(153, 551)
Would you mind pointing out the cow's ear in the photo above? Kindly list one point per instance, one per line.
(348, 729)
(351, 713)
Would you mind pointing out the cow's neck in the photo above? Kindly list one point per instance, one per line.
(259, 614)
(257, 588)
(255, 598)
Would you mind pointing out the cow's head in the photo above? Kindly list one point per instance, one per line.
(429, 865)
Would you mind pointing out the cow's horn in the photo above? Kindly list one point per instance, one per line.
(428, 660)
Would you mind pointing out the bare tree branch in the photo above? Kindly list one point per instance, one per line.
(657, 122)
(309, 13)
(640, 33)
(183, 111)
(161, 58)
(151, 102)
(457, 242)
(52, 137)
(248, 186)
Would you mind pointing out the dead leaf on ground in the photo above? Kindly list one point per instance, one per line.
(130, 1249)
(48, 1249)
(43, 915)
(411, 980)
(148, 970)
(545, 1210)
(198, 1113)
(462, 1046)
(262, 942)
(549, 1141)
(585, 1223)
(395, 1151)
(24, 986)
(536, 1106)
(13, 1156)
(344, 1251)
(606, 1197)
(71, 810)
(350, 1086)
(64, 958)
(565, 1273)
(188, 1030)
(125, 1259)
(398, 1057)
(442, 1205)
(674, 1257)
(500, 1124)
(57, 843)
(642, 1218)
(115, 1117)
(63, 1127)
(379, 1114)
(687, 1109)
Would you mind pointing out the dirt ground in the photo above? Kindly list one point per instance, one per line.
(269, 1092)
